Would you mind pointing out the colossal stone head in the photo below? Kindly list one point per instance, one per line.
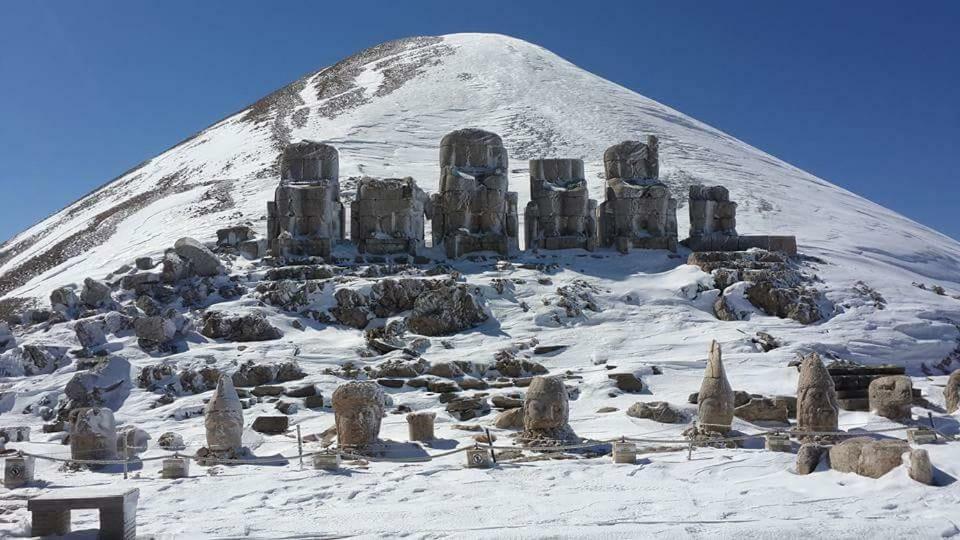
(309, 162)
(633, 160)
(93, 434)
(546, 405)
(223, 418)
(473, 148)
(817, 407)
(358, 408)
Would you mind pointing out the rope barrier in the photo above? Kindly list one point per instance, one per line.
(688, 443)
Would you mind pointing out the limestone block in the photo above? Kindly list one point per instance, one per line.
(176, 467)
(919, 466)
(93, 434)
(632, 159)
(309, 161)
(624, 452)
(17, 471)
(421, 425)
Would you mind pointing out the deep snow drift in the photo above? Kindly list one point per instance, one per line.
(386, 109)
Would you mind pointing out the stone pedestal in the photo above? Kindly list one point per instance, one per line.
(17, 471)
(921, 436)
(624, 452)
(777, 442)
(560, 214)
(638, 211)
(713, 225)
(473, 210)
(478, 458)
(421, 426)
(327, 462)
(176, 467)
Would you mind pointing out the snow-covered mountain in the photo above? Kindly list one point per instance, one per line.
(645, 315)
(386, 109)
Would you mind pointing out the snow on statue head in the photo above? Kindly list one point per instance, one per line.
(93, 434)
(223, 418)
(546, 405)
(358, 408)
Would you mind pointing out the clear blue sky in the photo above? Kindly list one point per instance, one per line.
(862, 93)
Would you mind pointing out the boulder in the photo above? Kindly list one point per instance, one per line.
(446, 311)
(64, 300)
(447, 370)
(144, 263)
(95, 293)
(867, 457)
(509, 419)
(658, 411)
(171, 441)
(628, 382)
(131, 441)
(465, 408)
(90, 333)
(271, 425)
(249, 327)
(250, 374)
(763, 410)
(234, 236)
(203, 261)
(891, 397)
(808, 458)
(155, 330)
(506, 402)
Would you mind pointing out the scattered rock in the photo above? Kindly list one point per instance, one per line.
(301, 391)
(95, 293)
(808, 457)
(271, 425)
(267, 390)
(919, 466)
(171, 441)
(446, 311)
(203, 261)
(313, 402)
(509, 419)
(286, 407)
(250, 327)
(628, 382)
(867, 457)
(658, 411)
(605, 410)
(763, 410)
(506, 402)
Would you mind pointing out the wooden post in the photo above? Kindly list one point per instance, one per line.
(300, 446)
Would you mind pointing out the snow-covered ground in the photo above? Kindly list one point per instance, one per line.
(651, 315)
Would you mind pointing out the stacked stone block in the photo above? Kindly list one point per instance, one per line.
(713, 225)
(638, 211)
(388, 216)
(473, 210)
(306, 217)
(560, 214)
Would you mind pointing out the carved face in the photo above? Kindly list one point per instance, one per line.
(358, 424)
(544, 412)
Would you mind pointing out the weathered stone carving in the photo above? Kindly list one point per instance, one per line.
(817, 407)
(715, 399)
(420, 425)
(638, 211)
(546, 413)
(223, 419)
(951, 393)
(93, 434)
(358, 407)
(473, 210)
(713, 225)
(306, 217)
(868, 457)
(892, 397)
(388, 216)
(560, 214)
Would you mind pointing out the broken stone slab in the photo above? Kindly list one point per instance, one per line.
(234, 236)
(763, 410)
(658, 411)
(202, 261)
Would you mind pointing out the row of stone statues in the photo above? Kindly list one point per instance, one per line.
(475, 211)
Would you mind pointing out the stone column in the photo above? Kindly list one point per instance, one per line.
(421, 425)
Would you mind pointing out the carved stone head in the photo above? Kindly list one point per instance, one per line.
(93, 434)
(358, 407)
(546, 405)
(223, 417)
(633, 160)
(817, 406)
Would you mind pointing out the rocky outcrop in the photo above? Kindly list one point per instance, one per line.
(446, 311)
(249, 327)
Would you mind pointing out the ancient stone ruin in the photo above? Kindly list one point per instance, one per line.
(546, 413)
(638, 211)
(388, 215)
(93, 434)
(715, 401)
(817, 407)
(223, 420)
(560, 214)
(306, 217)
(713, 225)
(473, 210)
(358, 408)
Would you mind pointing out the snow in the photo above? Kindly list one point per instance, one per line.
(653, 312)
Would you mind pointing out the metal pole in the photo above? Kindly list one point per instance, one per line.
(493, 456)
(125, 456)
(300, 446)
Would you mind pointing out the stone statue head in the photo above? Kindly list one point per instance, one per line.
(473, 149)
(546, 405)
(817, 406)
(93, 434)
(309, 162)
(633, 160)
(358, 408)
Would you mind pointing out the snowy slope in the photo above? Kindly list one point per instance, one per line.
(386, 109)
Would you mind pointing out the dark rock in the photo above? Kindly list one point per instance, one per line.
(203, 261)
(271, 425)
(301, 391)
(267, 390)
(250, 327)
(446, 311)
(313, 402)
(391, 383)
(628, 382)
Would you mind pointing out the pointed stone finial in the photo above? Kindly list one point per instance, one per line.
(715, 410)
(223, 418)
(817, 407)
